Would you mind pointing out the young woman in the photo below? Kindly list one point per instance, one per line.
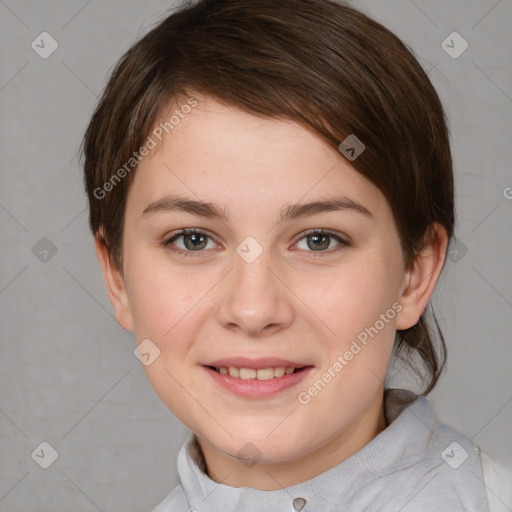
(271, 194)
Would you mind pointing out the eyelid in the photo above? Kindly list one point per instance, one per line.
(169, 239)
(341, 239)
(322, 231)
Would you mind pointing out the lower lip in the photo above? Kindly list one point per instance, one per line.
(254, 388)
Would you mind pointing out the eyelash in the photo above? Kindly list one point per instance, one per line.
(191, 231)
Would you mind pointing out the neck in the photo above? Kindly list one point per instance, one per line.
(228, 471)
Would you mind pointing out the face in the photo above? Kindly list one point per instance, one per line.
(261, 282)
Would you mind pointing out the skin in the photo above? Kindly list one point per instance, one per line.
(292, 302)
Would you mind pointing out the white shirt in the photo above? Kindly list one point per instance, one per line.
(415, 465)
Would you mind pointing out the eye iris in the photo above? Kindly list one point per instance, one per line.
(320, 242)
(198, 241)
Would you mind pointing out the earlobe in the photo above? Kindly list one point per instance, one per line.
(115, 285)
(421, 278)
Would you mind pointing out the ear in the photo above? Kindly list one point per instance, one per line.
(114, 282)
(421, 278)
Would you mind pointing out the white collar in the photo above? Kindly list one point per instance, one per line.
(394, 445)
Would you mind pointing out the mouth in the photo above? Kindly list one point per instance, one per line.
(267, 373)
(256, 379)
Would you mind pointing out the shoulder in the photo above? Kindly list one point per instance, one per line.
(498, 481)
(174, 502)
(444, 461)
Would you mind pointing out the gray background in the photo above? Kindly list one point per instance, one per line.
(67, 371)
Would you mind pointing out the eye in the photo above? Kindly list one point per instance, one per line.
(190, 240)
(318, 240)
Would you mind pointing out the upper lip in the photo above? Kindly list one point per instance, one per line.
(257, 363)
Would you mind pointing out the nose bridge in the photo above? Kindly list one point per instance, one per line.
(252, 278)
(253, 299)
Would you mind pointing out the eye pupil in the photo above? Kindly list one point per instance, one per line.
(198, 241)
(319, 242)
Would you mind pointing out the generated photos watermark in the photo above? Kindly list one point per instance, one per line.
(156, 135)
(304, 397)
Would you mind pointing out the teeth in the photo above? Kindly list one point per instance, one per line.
(265, 373)
(260, 374)
(248, 373)
(279, 372)
(234, 372)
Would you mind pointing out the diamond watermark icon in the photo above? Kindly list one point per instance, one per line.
(44, 45)
(454, 455)
(146, 352)
(45, 455)
(456, 251)
(249, 454)
(249, 249)
(454, 45)
(351, 147)
(44, 250)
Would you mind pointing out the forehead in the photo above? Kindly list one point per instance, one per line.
(220, 154)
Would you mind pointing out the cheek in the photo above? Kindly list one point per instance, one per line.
(354, 297)
(358, 308)
(158, 298)
(169, 308)
(168, 305)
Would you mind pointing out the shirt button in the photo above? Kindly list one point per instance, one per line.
(299, 503)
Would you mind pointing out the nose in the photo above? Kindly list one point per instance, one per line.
(254, 301)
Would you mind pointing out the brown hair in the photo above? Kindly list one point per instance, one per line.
(320, 63)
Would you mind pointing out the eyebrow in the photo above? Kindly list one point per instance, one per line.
(289, 212)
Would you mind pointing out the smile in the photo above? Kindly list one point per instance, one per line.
(256, 383)
(252, 373)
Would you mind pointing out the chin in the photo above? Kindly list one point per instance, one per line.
(262, 449)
